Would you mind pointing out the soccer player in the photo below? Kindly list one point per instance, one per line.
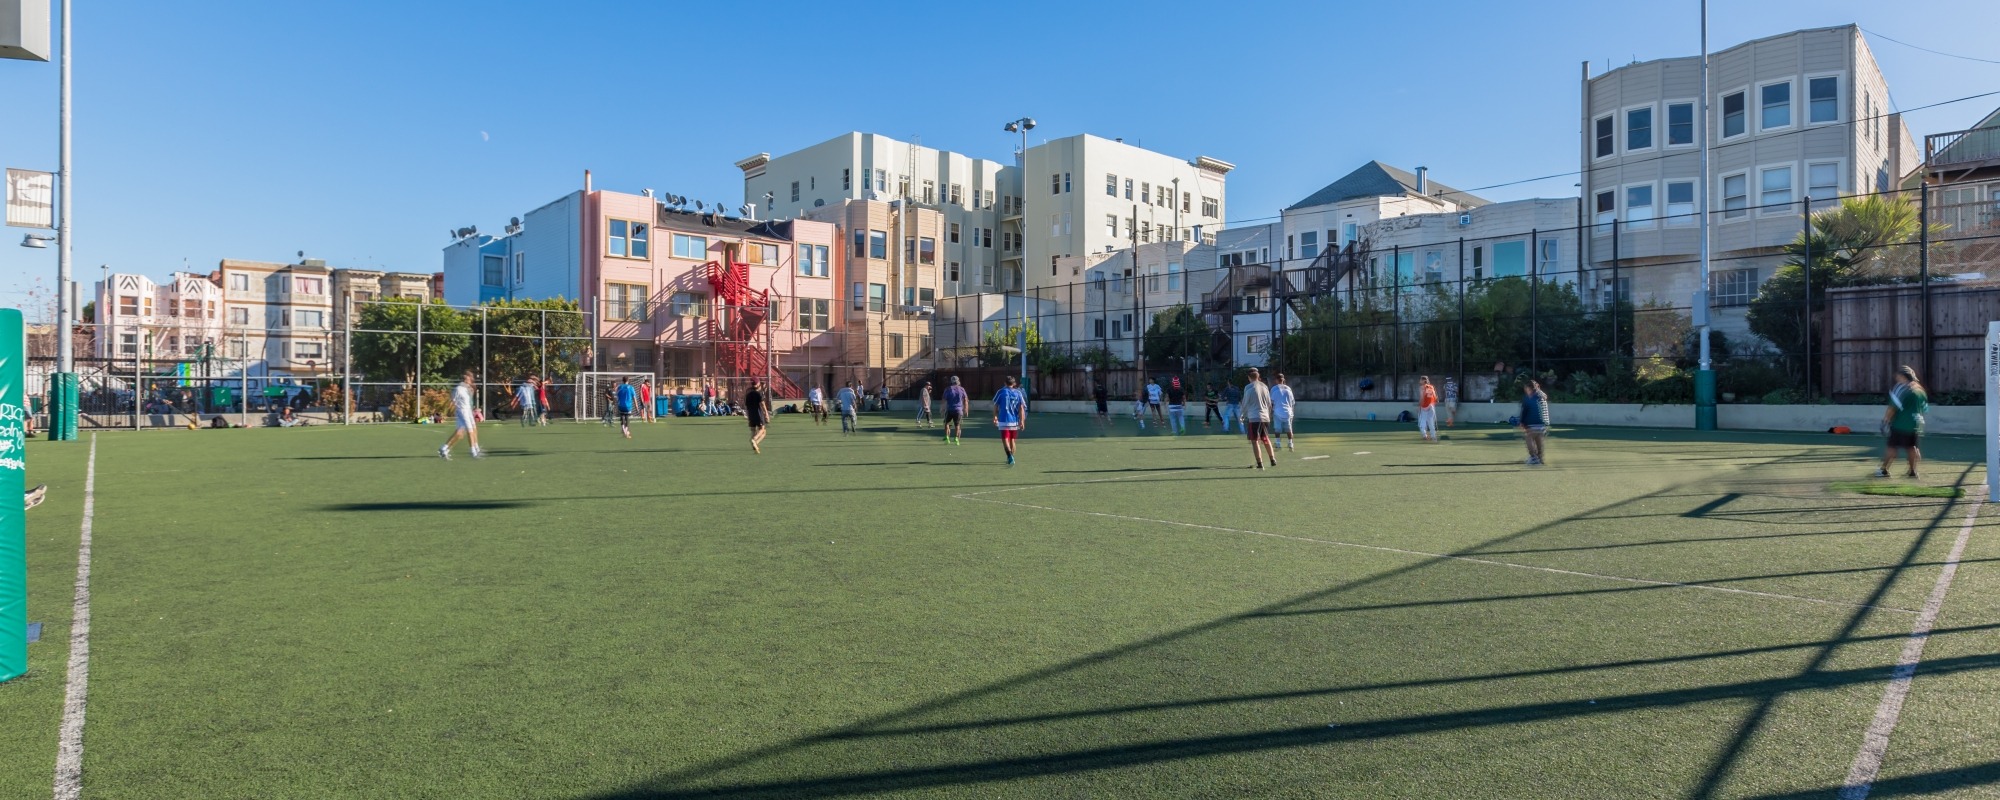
(1534, 421)
(626, 397)
(1255, 407)
(1904, 417)
(468, 424)
(816, 404)
(1103, 398)
(1427, 409)
(955, 402)
(1213, 405)
(1281, 412)
(924, 406)
(524, 399)
(610, 401)
(542, 395)
(1010, 415)
(646, 399)
(1139, 407)
(1232, 400)
(849, 400)
(1450, 401)
(757, 408)
(1176, 406)
(1153, 400)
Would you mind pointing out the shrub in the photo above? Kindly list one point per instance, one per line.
(404, 405)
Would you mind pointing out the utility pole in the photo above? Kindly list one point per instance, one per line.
(1704, 377)
(64, 407)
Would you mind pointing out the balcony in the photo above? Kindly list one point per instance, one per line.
(1962, 150)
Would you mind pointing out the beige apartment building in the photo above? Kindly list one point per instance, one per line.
(890, 281)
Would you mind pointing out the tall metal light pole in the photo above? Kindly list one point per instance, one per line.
(1020, 126)
(1704, 376)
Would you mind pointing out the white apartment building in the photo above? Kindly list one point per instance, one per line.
(142, 319)
(1336, 215)
(284, 313)
(1084, 194)
(969, 193)
(1800, 114)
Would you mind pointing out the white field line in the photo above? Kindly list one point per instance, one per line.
(69, 747)
(980, 497)
(1875, 743)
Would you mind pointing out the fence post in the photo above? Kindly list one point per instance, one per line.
(1396, 323)
(1611, 361)
(417, 404)
(1805, 225)
(483, 380)
(347, 361)
(1460, 370)
(1534, 303)
(1924, 268)
(243, 373)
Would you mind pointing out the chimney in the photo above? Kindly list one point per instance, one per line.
(586, 181)
(1423, 180)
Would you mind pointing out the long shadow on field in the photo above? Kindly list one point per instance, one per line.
(433, 505)
(1926, 783)
(1142, 697)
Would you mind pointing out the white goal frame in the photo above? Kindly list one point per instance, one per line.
(590, 403)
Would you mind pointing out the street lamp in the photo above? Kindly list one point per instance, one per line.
(1021, 126)
(38, 241)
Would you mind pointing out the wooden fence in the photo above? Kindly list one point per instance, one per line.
(1872, 330)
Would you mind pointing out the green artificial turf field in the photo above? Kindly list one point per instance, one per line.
(331, 612)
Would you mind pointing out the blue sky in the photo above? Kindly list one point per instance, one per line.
(361, 131)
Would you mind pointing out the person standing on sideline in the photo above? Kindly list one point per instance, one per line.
(1254, 404)
(955, 402)
(608, 399)
(468, 423)
(524, 399)
(1153, 400)
(1212, 401)
(542, 395)
(1232, 399)
(1904, 419)
(1450, 401)
(1281, 412)
(1535, 421)
(848, 400)
(924, 405)
(1139, 407)
(816, 404)
(1010, 415)
(1427, 409)
(1176, 406)
(1103, 398)
(757, 409)
(627, 397)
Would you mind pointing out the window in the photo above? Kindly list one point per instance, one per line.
(951, 233)
(239, 282)
(957, 194)
(930, 192)
(1823, 183)
(520, 268)
(1145, 232)
(815, 314)
(1433, 266)
(1348, 231)
(128, 305)
(1823, 99)
(1510, 258)
(1173, 277)
(1111, 225)
(1546, 262)
(1680, 204)
(625, 302)
(858, 293)
(1055, 224)
(190, 308)
(878, 297)
(895, 345)
(694, 248)
(882, 179)
(690, 304)
(1065, 223)
(986, 239)
(1406, 269)
(1607, 140)
(1639, 207)
(128, 344)
(239, 315)
(951, 271)
(1735, 195)
(1210, 207)
(1065, 181)
(1607, 208)
(1309, 244)
(1258, 342)
(846, 178)
(1187, 202)
(1055, 183)
(1774, 102)
(1006, 240)
(305, 350)
(986, 274)
(1680, 124)
(1639, 129)
(1128, 188)
(493, 271)
(308, 319)
(1146, 193)
(1775, 188)
(1732, 287)
(763, 255)
(878, 244)
(614, 238)
(239, 349)
(926, 250)
(299, 286)
(986, 198)
(814, 261)
(1732, 114)
(795, 191)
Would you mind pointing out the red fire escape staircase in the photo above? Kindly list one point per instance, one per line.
(739, 342)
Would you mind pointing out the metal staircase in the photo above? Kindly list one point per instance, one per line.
(739, 323)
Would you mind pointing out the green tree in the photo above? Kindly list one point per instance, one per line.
(386, 347)
(1176, 333)
(518, 343)
(994, 352)
(1865, 241)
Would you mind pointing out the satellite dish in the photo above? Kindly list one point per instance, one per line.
(743, 209)
(698, 206)
(516, 222)
(302, 254)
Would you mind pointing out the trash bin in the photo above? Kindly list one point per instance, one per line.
(663, 406)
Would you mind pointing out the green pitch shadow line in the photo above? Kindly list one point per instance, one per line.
(690, 775)
(1925, 783)
(1104, 758)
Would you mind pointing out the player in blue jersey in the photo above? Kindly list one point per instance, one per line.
(627, 398)
(1010, 415)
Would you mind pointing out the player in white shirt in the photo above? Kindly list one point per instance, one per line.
(1281, 412)
(463, 410)
(816, 404)
(1153, 401)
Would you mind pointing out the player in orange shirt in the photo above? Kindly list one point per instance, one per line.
(1427, 409)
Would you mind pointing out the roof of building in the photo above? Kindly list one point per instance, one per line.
(710, 222)
(1376, 179)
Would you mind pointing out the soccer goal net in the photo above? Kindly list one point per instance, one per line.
(595, 392)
